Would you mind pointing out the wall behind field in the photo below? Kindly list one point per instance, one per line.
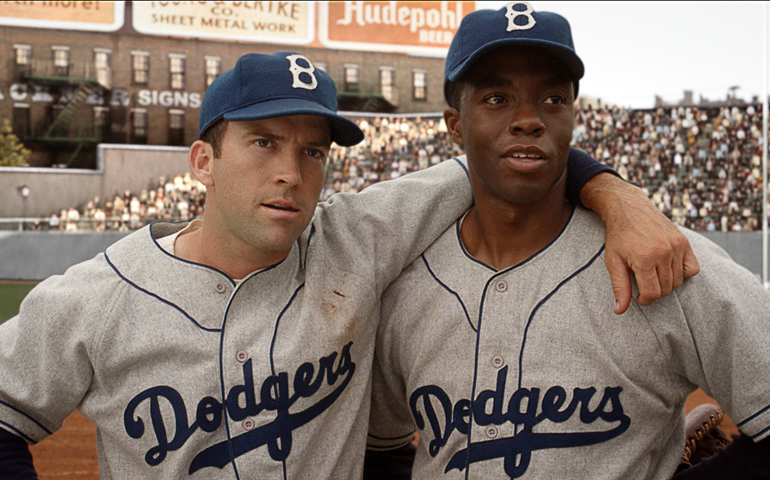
(37, 255)
(119, 167)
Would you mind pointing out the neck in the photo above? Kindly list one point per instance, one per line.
(223, 252)
(502, 235)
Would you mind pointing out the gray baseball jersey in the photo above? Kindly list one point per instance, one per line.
(187, 373)
(528, 373)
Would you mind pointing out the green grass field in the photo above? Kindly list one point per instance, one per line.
(11, 295)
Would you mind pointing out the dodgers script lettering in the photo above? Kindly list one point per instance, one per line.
(274, 395)
(522, 410)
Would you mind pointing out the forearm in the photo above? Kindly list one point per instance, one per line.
(609, 195)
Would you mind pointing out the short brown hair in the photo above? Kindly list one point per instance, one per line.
(214, 135)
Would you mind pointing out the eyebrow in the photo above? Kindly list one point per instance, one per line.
(272, 135)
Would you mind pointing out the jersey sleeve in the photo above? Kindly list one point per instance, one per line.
(724, 344)
(391, 423)
(582, 167)
(45, 352)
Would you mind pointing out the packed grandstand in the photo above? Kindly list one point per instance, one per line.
(700, 166)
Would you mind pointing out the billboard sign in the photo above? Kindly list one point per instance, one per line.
(269, 22)
(425, 28)
(75, 15)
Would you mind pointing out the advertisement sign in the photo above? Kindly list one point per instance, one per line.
(94, 16)
(410, 27)
(270, 22)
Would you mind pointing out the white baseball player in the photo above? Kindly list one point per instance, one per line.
(499, 346)
(240, 345)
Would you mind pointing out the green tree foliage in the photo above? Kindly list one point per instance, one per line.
(12, 151)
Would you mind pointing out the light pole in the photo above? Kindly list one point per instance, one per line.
(24, 193)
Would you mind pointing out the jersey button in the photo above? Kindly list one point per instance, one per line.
(498, 361)
(248, 424)
(241, 356)
(220, 288)
(491, 432)
(501, 286)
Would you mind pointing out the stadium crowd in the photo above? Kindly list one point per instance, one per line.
(700, 166)
(180, 198)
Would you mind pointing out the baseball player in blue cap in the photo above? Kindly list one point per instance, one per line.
(499, 345)
(240, 345)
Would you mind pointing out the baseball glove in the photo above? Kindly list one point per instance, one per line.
(703, 437)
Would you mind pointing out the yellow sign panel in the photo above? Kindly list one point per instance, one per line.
(410, 27)
(272, 22)
(100, 16)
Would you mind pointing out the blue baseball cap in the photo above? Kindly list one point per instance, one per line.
(278, 85)
(515, 24)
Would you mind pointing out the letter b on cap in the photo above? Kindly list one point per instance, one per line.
(512, 14)
(296, 69)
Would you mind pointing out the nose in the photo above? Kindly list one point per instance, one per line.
(526, 120)
(288, 170)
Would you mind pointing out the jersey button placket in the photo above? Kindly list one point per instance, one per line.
(501, 286)
(241, 356)
(220, 287)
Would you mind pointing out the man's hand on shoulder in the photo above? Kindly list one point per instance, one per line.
(640, 238)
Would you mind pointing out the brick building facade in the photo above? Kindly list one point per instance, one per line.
(66, 91)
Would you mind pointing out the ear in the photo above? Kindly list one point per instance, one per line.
(452, 119)
(202, 162)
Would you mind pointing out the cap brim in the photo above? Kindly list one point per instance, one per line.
(343, 131)
(574, 64)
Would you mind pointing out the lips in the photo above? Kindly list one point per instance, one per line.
(522, 152)
(281, 205)
(525, 159)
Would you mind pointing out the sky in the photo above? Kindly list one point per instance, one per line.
(634, 51)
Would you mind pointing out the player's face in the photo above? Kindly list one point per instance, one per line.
(515, 123)
(269, 178)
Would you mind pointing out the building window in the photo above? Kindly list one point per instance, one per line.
(352, 81)
(21, 120)
(140, 62)
(418, 83)
(102, 67)
(320, 66)
(213, 69)
(102, 123)
(139, 126)
(23, 54)
(176, 127)
(176, 69)
(23, 59)
(386, 83)
(61, 61)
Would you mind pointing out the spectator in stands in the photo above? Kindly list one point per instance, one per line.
(53, 222)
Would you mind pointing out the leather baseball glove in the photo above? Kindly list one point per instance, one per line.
(703, 437)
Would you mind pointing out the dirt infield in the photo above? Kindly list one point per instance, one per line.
(70, 453)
